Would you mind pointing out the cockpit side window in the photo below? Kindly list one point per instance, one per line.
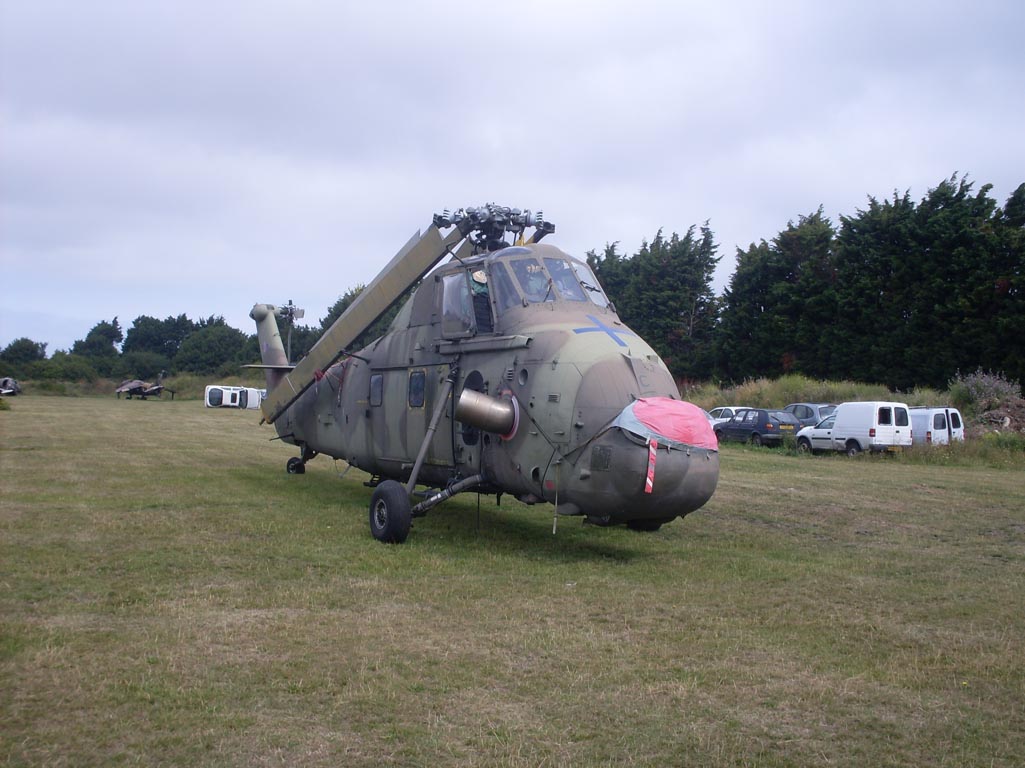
(565, 280)
(506, 296)
(536, 285)
(590, 284)
(456, 306)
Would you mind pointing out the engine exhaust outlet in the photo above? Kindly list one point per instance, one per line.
(498, 415)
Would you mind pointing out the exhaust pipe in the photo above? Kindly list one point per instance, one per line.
(498, 415)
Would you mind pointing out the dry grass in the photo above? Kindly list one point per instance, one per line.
(170, 596)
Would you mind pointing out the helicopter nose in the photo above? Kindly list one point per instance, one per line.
(657, 460)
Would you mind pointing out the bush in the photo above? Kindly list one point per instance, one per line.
(981, 391)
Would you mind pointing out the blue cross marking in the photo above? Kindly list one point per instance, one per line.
(600, 327)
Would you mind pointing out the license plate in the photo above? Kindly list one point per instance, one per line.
(788, 427)
(895, 448)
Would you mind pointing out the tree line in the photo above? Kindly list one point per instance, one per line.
(901, 293)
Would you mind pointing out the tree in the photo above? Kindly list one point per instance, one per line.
(1009, 288)
(777, 311)
(23, 351)
(159, 337)
(922, 289)
(669, 300)
(211, 348)
(99, 346)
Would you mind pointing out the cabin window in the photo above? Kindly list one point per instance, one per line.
(902, 417)
(243, 398)
(939, 421)
(955, 420)
(456, 306)
(536, 285)
(590, 284)
(565, 279)
(885, 417)
(377, 389)
(215, 397)
(417, 387)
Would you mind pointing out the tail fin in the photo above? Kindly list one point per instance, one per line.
(272, 351)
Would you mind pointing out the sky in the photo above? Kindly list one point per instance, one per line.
(160, 158)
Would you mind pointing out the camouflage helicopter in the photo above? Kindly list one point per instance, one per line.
(508, 371)
(141, 389)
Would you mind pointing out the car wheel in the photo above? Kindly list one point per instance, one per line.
(804, 445)
(853, 448)
(756, 439)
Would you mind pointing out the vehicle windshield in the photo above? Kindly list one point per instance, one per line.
(825, 410)
(590, 284)
(565, 279)
(534, 282)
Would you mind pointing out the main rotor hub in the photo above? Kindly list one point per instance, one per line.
(486, 225)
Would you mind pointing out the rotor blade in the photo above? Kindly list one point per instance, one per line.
(414, 260)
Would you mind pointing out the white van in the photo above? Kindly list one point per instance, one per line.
(225, 396)
(873, 425)
(936, 425)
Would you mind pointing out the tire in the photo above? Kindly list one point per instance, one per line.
(295, 466)
(852, 448)
(756, 439)
(648, 524)
(390, 513)
(804, 445)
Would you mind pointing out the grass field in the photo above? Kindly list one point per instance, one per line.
(170, 596)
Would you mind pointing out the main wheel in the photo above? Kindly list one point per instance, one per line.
(295, 466)
(852, 448)
(804, 445)
(390, 513)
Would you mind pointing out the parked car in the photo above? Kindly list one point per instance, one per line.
(936, 425)
(873, 425)
(810, 413)
(757, 426)
(726, 412)
(818, 437)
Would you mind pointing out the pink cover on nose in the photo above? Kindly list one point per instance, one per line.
(678, 420)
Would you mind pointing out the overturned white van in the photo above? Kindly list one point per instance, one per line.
(226, 396)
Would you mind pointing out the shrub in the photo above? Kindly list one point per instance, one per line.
(981, 391)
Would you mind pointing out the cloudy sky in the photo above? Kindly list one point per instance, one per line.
(159, 158)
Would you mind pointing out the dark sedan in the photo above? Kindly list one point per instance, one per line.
(759, 427)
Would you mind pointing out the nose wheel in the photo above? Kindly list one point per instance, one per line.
(295, 466)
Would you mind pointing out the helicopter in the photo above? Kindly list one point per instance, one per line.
(141, 389)
(507, 371)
